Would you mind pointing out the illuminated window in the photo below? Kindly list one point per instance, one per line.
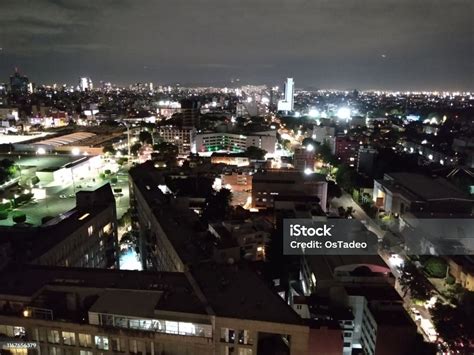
(171, 327)
(243, 351)
(85, 340)
(69, 338)
(101, 342)
(244, 337)
(107, 228)
(53, 336)
(227, 335)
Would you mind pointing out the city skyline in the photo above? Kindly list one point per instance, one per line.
(391, 46)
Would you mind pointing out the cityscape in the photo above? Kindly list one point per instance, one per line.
(230, 213)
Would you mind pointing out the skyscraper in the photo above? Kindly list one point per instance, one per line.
(18, 83)
(85, 84)
(190, 112)
(287, 104)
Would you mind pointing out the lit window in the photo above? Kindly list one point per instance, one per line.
(53, 336)
(102, 342)
(85, 340)
(107, 228)
(244, 337)
(69, 338)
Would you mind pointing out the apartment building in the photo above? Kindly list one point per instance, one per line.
(74, 311)
(85, 236)
(267, 184)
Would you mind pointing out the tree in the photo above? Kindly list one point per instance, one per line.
(455, 323)
(19, 218)
(324, 151)
(109, 149)
(436, 267)
(145, 137)
(286, 144)
(412, 281)
(167, 151)
(308, 141)
(135, 148)
(255, 153)
(217, 206)
(345, 177)
(7, 170)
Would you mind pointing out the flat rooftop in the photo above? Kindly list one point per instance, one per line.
(119, 290)
(17, 138)
(423, 187)
(324, 266)
(41, 161)
(285, 176)
(239, 293)
(68, 139)
(30, 242)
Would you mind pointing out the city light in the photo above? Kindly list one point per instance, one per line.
(313, 113)
(309, 148)
(41, 151)
(308, 171)
(396, 260)
(343, 113)
(75, 151)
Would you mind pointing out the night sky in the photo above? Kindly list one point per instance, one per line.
(345, 44)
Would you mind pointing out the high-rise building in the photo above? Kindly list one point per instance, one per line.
(287, 104)
(366, 160)
(85, 84)
(190, 113)
(18, 83)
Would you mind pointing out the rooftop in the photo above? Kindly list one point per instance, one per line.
(31, 242)
(67, 139)
(287, 176)
(420, 187)
(239, 293)
(137, 293)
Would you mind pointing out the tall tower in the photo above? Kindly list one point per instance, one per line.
(18, 83)
(287, 104)
(85, 84)
(190, 112)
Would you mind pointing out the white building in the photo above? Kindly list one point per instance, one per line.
(181, 137)
(218, 141)
(287, 104)
(85, 84)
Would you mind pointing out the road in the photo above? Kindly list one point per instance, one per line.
(425, 325)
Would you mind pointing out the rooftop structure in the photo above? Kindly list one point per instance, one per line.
(399, 193)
